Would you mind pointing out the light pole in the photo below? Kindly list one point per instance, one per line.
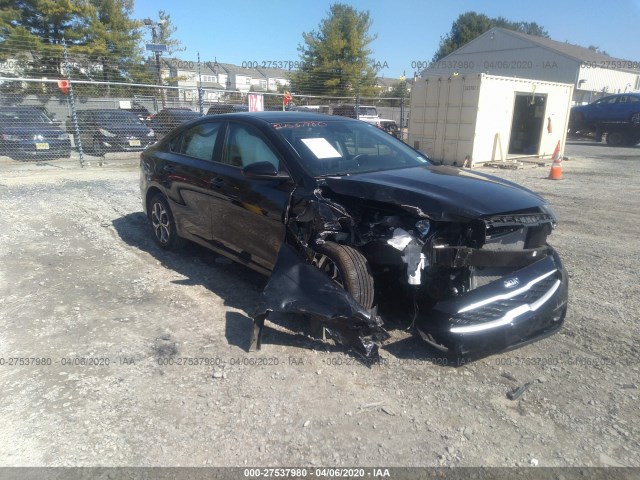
(157, 48)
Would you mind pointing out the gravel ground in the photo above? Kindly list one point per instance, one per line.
(80, 278)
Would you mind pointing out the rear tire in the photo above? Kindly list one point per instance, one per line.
(163, 224)
(616, 138)
(348, 268)
(98, 151)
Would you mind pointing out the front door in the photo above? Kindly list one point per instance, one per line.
(250, 217)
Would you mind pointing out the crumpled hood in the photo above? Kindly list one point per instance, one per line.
(441, 192)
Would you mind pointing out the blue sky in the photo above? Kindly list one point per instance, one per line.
(407, 31)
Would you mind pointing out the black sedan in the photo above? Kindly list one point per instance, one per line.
(104, 130)
(27, 133)
(370, 212)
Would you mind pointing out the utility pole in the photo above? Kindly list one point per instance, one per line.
(157, 49)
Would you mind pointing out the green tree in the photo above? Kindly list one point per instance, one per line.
(114, 40)
(400, 90)
(34, 30)
(470, 25)
(166, 32)
(336, 57)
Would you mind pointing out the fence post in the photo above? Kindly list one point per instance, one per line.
(72, 104)
(200, 99)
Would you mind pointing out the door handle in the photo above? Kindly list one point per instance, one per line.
(169, 169)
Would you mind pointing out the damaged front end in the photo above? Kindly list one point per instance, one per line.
(479, 282)
(498, 287)
(485, 284)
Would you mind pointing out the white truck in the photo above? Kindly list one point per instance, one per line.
(369, 114)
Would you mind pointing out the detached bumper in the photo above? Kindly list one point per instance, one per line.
(520, 308)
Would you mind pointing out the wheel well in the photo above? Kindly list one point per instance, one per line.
(150, 194)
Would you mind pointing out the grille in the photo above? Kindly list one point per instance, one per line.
(497, 309)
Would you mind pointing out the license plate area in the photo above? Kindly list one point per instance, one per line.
(134, 143)
(42, 146)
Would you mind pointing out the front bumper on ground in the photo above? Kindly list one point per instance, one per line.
(518, 309)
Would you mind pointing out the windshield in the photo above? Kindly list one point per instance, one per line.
(342, 147)
(23, 116)
(117, 116)
(368, 112)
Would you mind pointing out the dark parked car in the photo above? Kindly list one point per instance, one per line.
(26, 133)
(169, 118)
(370, 212)
(103, 131)
(141, 112)
(220, 108)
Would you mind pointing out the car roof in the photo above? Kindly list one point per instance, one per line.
(21, 107)
(100, 110)
(291, 116)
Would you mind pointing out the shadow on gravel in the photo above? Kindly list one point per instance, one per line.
(592, 143)
(238, 286)
(238, 333)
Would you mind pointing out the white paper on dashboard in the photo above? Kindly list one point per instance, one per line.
(321, 148)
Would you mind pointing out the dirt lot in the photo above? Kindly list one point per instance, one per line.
(82, 282)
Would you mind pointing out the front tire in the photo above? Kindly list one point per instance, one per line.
(348, 268)
(163, 223)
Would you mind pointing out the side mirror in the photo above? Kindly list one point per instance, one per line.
(264, 170)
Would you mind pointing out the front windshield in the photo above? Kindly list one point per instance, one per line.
(368, 112)
(339, 147)
(117, 116)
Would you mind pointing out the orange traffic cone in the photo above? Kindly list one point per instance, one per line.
(556, 167)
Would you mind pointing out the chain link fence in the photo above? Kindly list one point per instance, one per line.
(74, 116)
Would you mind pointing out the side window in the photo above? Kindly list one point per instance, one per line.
(244, 145)
(633, 99)
(622, 99)
(200, 140)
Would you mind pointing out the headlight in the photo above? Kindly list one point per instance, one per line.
(106, 133)
(63, 136)
(423, 227)
(38, 138)
(6, 136)
(151, 133)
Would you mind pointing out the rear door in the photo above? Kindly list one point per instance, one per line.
(188, 168)
(249, 219)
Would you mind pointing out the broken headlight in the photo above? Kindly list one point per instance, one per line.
(423, 227)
